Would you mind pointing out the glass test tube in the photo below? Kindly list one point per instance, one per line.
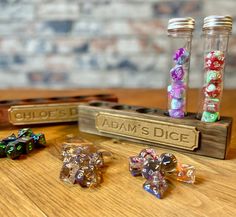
(180, 34)
(216, 31)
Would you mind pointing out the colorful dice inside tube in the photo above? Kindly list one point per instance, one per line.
(214, 64)
(156, 169)
(181, 56)
(215, 60)
(177, 88)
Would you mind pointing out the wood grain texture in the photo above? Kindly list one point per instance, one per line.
(213, 139)
(30, 186)
(46, 110)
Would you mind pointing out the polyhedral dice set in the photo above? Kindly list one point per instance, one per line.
(174, 128)
(24, 143)
(156, 169)
(82, 164)
(214, 64)
(177, 88)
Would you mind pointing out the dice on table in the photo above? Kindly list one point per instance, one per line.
(150, 168)
(10, 138)
(148, 153)
(39, 139)
(14, 149)
(68, 171)
(186, 173)
(157, 186)
(96, 159)
(2, 149)
(168, 162)
(135, 165)
(88, 176)
(25, 132)
(27, 144)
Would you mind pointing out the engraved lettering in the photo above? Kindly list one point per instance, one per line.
(18, 116)
(145, 131)
(123, 127)
(114, 125)
(158, 132)
(43, 113)
(74, 111)
(62, 112)
(131, 128)
(52, 114)
(184, 138)
(27, 115)
(172, 137)
(180, 136)
(105, 123)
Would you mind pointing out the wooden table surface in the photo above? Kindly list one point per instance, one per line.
(31, 187)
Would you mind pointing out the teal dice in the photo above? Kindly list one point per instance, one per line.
(24, 143)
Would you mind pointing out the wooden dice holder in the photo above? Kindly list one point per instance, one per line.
(46, 110)
(153, 127)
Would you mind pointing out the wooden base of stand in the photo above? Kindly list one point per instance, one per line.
(152, 126)
(46, 110)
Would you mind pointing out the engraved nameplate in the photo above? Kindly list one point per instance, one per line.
(43, 113)
(174, 135)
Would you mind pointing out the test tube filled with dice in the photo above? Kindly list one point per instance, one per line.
(180, 34)
(216, 31)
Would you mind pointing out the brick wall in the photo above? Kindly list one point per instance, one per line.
(99, 43)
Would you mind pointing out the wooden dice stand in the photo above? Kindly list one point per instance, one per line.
(152, 126)
(46, 110)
